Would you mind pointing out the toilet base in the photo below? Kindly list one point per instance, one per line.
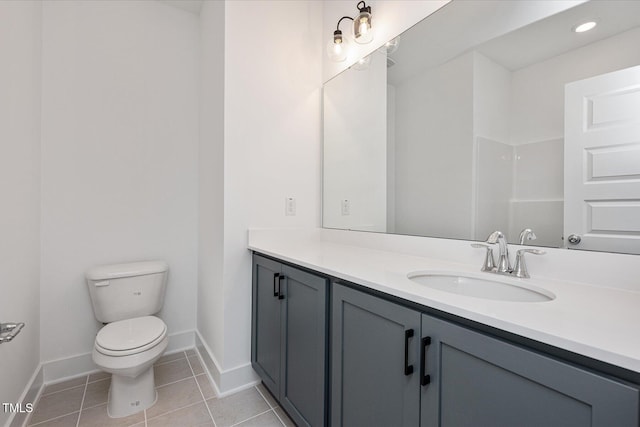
(128, 396)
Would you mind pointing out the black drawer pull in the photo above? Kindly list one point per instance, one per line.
(424, 379)
(408, 369)
(275, 284)
(280, 295)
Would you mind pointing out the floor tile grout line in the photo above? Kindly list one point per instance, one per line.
(183, 356)
(173, 382)
(99, 379)
(265, 399)
(54, 418)
(271, 406)
(250, 418)
(86, 385)
(278, 416)
(82, 408)
(61, 390)
(169, 361)
(200, 390)
(99, 404)
(171, 411)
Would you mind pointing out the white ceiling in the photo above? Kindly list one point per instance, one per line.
(462, 26)
(554, 36)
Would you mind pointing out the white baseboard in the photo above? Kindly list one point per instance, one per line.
(82, 364)
(30, 395)
(225, 382)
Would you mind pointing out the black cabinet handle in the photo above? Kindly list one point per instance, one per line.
(424, 379)
(280, 296)
(275, 284)
(408, 369)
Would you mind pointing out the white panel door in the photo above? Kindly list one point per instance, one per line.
(602, 162)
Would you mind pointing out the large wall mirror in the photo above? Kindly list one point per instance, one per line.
(493, 115)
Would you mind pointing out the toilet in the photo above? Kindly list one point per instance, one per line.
(125, 298)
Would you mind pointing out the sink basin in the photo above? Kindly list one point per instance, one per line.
(499, 288)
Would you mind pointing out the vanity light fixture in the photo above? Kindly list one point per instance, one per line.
(362, 24)
(362, 33)
(586, 26)
(390, 46)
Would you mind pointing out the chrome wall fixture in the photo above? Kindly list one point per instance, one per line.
(8, 331)
(362, 33)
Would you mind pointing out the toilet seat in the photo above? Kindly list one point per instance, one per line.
(130, 336)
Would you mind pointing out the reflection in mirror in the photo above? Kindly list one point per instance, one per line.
(488, 117)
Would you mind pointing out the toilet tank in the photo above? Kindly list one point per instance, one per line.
(124, 291)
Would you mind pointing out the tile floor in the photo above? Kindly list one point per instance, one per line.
(185, 398)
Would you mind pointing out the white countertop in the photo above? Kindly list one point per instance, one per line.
(597, 322)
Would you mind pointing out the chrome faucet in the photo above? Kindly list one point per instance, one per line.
(504, 266)
(520, 270)
(527, 234)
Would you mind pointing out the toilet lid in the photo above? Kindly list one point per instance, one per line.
(130, 334)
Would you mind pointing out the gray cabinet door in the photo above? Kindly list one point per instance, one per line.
(369, 384)
(480, 381)
(304, 359)
(266, 322)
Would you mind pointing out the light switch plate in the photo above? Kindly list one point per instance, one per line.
(290, 206)
(346, 207)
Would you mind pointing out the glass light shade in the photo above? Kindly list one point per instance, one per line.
(391, 46)
(362, 64)
(337, 48)
(362, 31)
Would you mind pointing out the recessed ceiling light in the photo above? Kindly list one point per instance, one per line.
(585, 27)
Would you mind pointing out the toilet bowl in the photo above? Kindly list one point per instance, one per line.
(125, 298)
(128, 349)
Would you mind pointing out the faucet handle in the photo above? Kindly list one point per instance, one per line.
(527, 234)
(520, 269)
(489, 262)
(495, 236)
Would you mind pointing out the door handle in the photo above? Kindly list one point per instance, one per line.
(574, 239)
(275, 284)
(408, 369)
(8, 331)
(280, 278)
(424, 378)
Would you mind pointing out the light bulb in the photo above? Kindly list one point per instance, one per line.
(585, 27)
(337, 47)
(362, 28)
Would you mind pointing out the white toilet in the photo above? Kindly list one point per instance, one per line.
(125, 297)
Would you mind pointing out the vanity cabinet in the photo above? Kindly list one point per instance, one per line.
(289, 337)
(477, 380)
(394, 365)
(374, 356)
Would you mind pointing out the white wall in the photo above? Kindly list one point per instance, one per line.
(491, 98)
(272, 150)
(119, 157)
(433, 107)
(272, 139)
(537, 112)
(355, 148)
(20, 49)
(493, 157)
(493, 186)
(210, 323)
